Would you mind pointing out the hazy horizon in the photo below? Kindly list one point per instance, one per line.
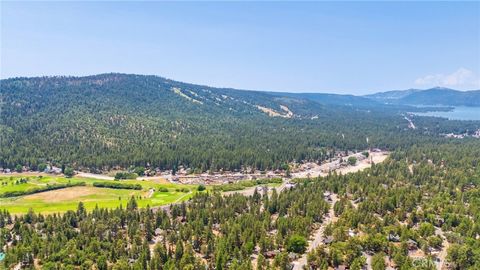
(242, 89)
(341, 48)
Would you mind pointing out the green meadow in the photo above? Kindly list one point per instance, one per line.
(65, 199)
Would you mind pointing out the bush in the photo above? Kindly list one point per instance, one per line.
(42, 167)
(426, 229)
(352, 161)
(163, 189)
(201, 188)
(125, 175)
(69, 172)
(139, 170)
(117, 185)
(297, 244)
(378, 261)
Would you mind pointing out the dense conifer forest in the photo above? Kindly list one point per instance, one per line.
(426, 196)
(357, 146)
(118, 120)
(419, 209)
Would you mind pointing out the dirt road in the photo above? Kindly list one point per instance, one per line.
(96, 176)
(318, 235)
(443, 253)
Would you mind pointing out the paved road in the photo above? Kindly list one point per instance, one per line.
(318, 236)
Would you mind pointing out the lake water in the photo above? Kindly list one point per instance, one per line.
(458, 113)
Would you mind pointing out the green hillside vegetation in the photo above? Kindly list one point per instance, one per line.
(117, 185)
(411, 195)
(99, 122)
(433, 96)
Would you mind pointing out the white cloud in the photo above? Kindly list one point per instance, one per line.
(461, 79)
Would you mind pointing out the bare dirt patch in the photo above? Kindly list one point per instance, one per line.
(366, 163)
(156, 179)
(273, 113)
(65, 194)
(316, 170)
(96, 176)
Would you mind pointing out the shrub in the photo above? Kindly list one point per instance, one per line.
(352, 161)
(297, 244)
(69, 172)
(125, 175)
(117, 185)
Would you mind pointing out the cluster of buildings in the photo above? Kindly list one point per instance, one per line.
(220, 178)
(49, 169)
(475, 134)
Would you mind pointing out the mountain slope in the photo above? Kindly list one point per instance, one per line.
(118, 120)
(110, 120)
(332, 99)
(434, 96)
(391, 95)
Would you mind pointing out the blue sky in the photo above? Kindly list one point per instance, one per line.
(348, 47)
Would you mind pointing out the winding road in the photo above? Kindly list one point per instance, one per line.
(318, 235)
(443, 253)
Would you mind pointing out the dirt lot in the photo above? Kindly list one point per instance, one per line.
(361, 165)
(61, 195)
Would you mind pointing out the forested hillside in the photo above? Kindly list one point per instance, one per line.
(403, 211)
(433, 96)
(102, 121)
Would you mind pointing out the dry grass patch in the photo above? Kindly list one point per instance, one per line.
(65, 194)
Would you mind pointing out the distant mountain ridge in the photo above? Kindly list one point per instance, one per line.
(332, 99)
(433, 96)
(109, 120)
(113, 120)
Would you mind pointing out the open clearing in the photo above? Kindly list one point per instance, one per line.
(61, 195)
(320, 170)
(62, 200)
(65, 199)
(366, 163)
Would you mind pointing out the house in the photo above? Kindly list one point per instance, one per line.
(412, 244)
(439, 221)
(393, 237)
(56, 170)
(358, 200)
(292, 256)
(290, 185)
(271, 254)
(328, 240)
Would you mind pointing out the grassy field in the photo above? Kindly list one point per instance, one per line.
(65, 199)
